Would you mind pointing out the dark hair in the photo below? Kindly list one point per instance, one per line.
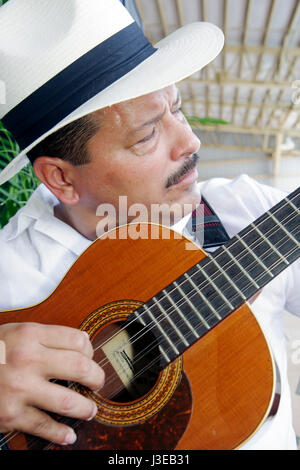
(68, 143)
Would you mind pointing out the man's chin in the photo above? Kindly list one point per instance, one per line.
(185, 203)
(190, 195)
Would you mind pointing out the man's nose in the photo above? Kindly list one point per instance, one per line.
(185, 142)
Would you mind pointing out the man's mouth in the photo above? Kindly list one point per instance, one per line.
(188, 179)
(187, 175)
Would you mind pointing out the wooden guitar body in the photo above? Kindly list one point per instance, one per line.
(213, 396)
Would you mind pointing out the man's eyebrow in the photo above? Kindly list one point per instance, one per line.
(157, 118)
(154, 120)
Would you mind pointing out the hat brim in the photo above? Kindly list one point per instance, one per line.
(179, 55)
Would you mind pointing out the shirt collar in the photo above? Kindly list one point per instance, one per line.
(40, 202)
(39, 213)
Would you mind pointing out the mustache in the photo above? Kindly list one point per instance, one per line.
(189, 165)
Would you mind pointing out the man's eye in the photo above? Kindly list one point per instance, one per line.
(148, 137)
(177, 110)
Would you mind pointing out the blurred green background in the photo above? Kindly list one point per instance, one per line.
(17, 191)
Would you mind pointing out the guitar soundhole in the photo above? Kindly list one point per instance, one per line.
(130, 358)
(136, 386)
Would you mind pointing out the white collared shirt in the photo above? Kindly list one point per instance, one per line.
(37, 249)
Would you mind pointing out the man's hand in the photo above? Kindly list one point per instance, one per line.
(35, 354)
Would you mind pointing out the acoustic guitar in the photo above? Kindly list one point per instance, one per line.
(186, 363)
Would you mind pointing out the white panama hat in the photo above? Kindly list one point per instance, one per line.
(63, 59)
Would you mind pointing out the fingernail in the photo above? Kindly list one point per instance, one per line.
(70, 438)
(93, 413)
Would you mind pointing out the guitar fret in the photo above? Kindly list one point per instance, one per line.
(271, 245)
(162, 331)
(203, 321)
(140, 319)
(227, 277)
(282, 227)
(168, 317)
(292, 205)
(241, 268)
(182, 316)
(216, 289)
(164, 353)
(254, 255)
(202, 297)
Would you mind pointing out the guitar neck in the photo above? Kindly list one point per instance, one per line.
(263, 249)
(203, 296)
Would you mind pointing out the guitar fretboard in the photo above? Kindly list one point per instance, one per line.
(203, 296)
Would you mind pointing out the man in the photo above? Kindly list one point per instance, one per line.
(128, 138)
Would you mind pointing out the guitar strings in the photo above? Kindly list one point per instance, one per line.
(140, 373)
(149, 348)
(243, 252)
(179, 304)
(5, 439)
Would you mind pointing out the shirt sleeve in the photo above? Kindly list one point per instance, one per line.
(5, 284)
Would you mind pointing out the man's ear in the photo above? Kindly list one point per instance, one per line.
(58, 176)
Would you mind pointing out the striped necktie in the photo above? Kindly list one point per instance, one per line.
(206, 226)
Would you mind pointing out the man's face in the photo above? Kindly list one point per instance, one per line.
(142, 149)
